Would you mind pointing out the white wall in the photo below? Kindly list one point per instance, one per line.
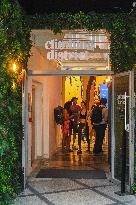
(51, 97)
(55, 100)
(38, 119)
(50, 133)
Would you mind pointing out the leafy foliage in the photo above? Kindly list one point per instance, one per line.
(14, 48)
(122, 35)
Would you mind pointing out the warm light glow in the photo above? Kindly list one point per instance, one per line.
(13, 85)
(73, 86)
(107, 79)
(14, 67)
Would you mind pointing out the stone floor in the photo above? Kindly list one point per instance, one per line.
(72, 160)
(73, 191)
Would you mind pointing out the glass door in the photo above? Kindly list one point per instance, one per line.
(122, 119)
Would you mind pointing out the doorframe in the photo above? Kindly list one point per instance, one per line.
(90, 72)
(25, 127)
(31, 73)
(38, 86)
(26, 141)
(131, 126)
(112, 132)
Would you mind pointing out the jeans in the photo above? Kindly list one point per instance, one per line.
(100, 134)
(85, 127)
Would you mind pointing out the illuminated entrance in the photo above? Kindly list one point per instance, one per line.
(53, 62)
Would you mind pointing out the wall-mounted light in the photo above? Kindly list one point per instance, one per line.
(14, 67)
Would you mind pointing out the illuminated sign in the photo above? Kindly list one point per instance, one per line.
(78, 46)
(70, 44)
(104, 92)
(61, 50)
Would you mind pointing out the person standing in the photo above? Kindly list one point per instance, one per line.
(74, 110)
(99, 118)
(65, 127)
(83, 127)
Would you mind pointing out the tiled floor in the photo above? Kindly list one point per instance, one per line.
(73, 192)
(84, 161)
(68, 191)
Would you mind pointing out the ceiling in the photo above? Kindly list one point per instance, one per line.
(101, 6)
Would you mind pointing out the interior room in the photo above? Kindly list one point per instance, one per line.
(45, 143)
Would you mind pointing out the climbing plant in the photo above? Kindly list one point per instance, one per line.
(14, 52)
(122, 52)
(15, 45)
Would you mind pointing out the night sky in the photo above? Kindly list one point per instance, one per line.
(50, 6)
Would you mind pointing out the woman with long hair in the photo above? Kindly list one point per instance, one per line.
(65, 127)
(83, 127)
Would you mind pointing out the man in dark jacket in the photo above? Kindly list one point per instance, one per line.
(100, 127)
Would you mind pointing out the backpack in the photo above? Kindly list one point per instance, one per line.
(96, 114)
(59, 115)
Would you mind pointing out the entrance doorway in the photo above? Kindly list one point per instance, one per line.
(58, 57)
(52, 96)
(112, 130)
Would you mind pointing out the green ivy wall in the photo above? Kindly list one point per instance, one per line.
(123, 36)
(15, 46)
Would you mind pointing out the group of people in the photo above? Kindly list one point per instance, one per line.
(76, 121)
